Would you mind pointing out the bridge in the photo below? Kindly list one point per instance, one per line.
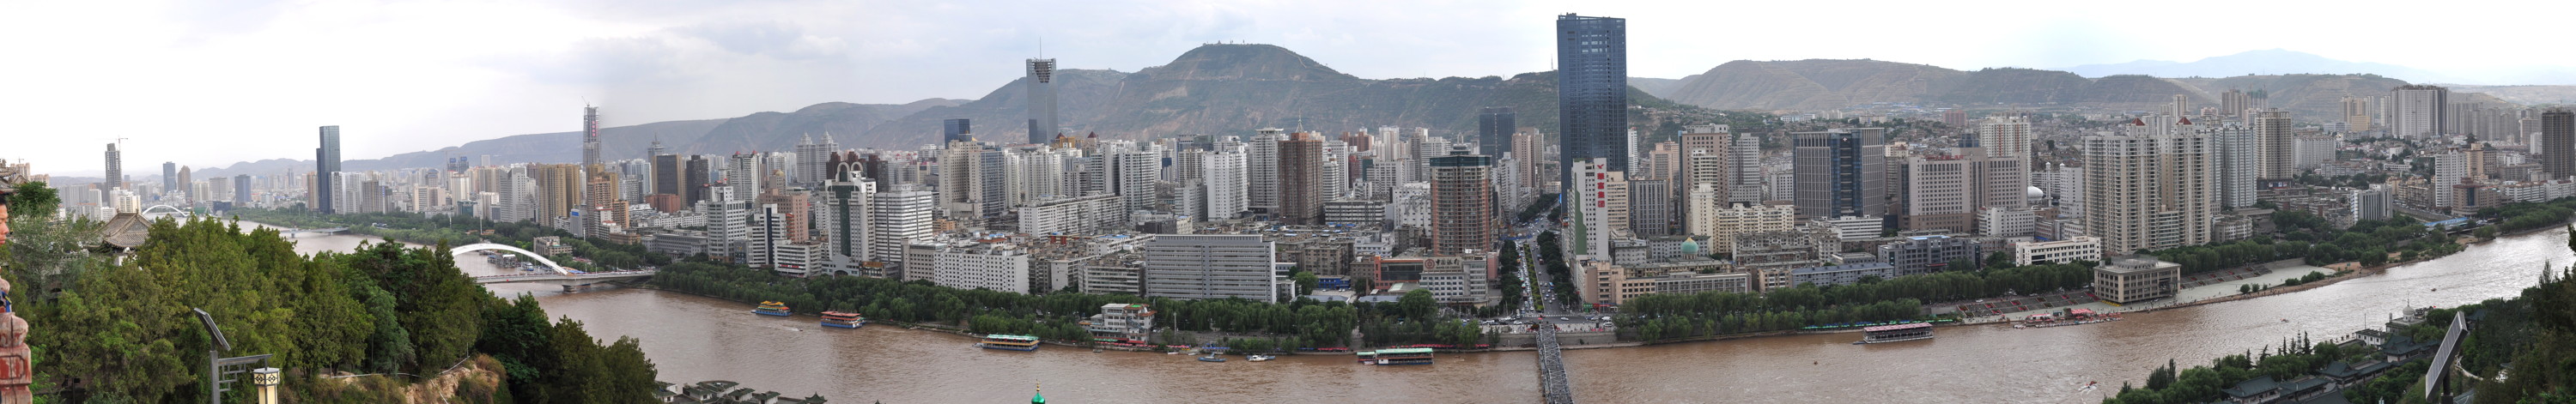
(173, 211)
(1554, 386)
(570, 279)
(328, 230)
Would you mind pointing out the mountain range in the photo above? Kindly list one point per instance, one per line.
(1234, 88)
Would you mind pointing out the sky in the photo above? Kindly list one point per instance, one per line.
(210, 83)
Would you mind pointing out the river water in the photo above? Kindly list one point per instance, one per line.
(693, 338)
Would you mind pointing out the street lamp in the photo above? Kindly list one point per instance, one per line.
(216, 376)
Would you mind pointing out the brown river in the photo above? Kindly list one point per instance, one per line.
(693, 338)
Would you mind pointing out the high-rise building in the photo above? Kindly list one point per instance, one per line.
(326, 171)
(1601, 211)
(169, 177)
(2234, 102)
(589, 137)
(1211, 267)
(693, 179)
(1041, 85)
(1744, 170)
(1301, 179)
(1462, 203)
(1494, 128)
(1841, 173)
(1592, 90)
(2148, 191)
(1221, 174)
(241, 190)
(1261, 163)
(841, 223)
(744, 173)
(2237, 164)
(667, 178)
(898, 218)
(2415, 111)
(1939, 194)
(1650, 207)
(2272, 128)
(813, 160)
(956, 130)
(559, 190)
(115, 168)
(2558, 142)
(2356, 112)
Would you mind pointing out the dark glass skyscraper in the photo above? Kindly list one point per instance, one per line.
(326, 166)
(1041, 83)
(1592, 90)
(1494, 127)
(1841, 172)
(2558, 142)
(954, 130)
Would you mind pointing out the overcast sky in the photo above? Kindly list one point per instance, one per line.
(209, 83)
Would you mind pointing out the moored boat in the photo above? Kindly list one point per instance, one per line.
(1259, 358)
(1368, 357)
(1404, 356)
(1211, 358)
(1009, 342)
(772, 309)
(1895, 333)
(836, 319)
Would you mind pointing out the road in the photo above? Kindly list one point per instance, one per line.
(1555, 386)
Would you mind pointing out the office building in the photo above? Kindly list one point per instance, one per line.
(169, 177)
(1000, 267)
(2558, 143)
(813, 160)
(1931, 254)
(1261, 160)
(1841, 173)
(1462, 204)
(1592, 91)
(2148, 191)
(2080, 248)
(1211, 267)
(1041, 86)
(1601, 207)
(956, 130)
(589, 137)
(1938, 194)
(2136, 279)
(841, 224)
(1494, 129)
(326, 170)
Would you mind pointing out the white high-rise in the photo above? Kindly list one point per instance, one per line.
(2238, 165)
(1223, 176)
(899, 217)
(743, 172)
(1211, 267)
(1261, 164)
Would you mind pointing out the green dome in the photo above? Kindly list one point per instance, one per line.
(1690, 247)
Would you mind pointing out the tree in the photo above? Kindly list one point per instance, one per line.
(1999, 259)
(34, 200)
(1305, 282)
(1417, 304)
(2486, 232)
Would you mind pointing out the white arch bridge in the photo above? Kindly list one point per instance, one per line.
(570, 279)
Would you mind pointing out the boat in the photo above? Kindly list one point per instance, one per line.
(1009, 342)
(772, 309)
(1211, 358)
(1259, 358)
(1404, 356)
(1368, 357)
(1895, 333)
(836, 319)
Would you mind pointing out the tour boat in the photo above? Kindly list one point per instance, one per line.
(1368, 357)
(1895, 333)
(1404, 356)
(1009, 342)
(1259, 358)
(1211, 358)
(772, 309)
(836, 319)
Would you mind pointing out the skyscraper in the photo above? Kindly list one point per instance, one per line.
(1301, 179)
(115, 168)
(896, 218)
(2415, 111)
(955, 130)
(2558, 142)
(1494, 127)
(2147, 191)
(744, 172)
(2234, 102)
(813, 160)
(2272, 129)
(1261, 168)
(667, 178)
(1592, 90)
(693, 179)
(326, 170)
(241, 190)
(1041, 84)
(589, 137)
(169, 177)
(2237, 162)
(1841, 172)
(1462, 203)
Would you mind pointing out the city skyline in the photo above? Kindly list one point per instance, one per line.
(516, 80)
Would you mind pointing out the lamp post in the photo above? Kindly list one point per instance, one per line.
(216, 363)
